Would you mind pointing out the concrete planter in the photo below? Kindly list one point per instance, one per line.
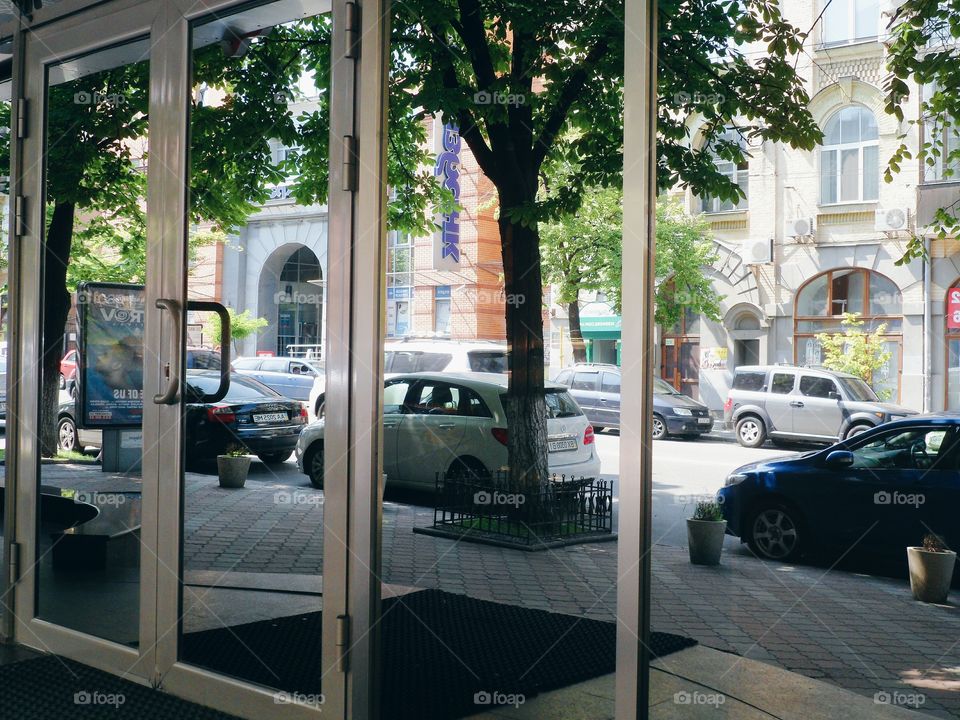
(232, 470)
(705, 540)
(930, 573)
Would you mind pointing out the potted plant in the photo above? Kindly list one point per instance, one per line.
(931, 569)
(232, 467)
(705, 531)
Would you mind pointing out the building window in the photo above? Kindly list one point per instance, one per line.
(941, 163)
(847, 21)
(680, 355)
(441, 310)
(819, 307)
(399, 284)
(849, 158)
(737, 173)
(299, 304)
(953, 347)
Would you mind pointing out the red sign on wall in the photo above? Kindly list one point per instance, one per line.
(953, 309)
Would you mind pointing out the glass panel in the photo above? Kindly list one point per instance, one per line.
(886, 380)
(850, 124)
(849, 175)
(5, 89)
(953, 373)
(94, 270)
(812, 386)
(847, 291)
(866, 19)
(836, 21)
(828, 176)
(871, 172)
(782, 383)
(812, 299)
(868, 125)
(885, 297)
(810, 352)
(253, 520)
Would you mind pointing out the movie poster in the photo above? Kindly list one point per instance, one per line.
(111, 354)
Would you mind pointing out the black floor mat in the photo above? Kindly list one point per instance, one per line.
(53, 687)
(444, 655)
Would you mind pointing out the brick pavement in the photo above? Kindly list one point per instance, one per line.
(862, 633)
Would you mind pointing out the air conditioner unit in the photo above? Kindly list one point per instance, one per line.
(800, 227)
(892, 220)
(757, 252)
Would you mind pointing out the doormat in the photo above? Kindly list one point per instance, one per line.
(444, 655)
(54, 687)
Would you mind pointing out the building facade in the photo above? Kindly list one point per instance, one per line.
(821, 233)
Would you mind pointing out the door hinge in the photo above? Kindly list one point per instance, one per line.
(18, 228)
(343, 637)
(351, 30)
(22, 104)
(350, 163)
(14, 563)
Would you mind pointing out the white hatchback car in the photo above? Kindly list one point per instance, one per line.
(454, 424)
(410, 356)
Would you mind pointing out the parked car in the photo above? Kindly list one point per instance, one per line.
(882, 489)
(412, 355)
(68, 372)
(294, 378)
(596, 388)
(454, 424)
(251, 415)
(787, 403)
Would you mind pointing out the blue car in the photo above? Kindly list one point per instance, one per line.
(882, 490)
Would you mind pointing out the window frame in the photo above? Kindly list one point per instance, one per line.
(852, 37)
(737, 173)
(838, 149)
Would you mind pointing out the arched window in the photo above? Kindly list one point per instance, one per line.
(300, 300)
(738, 173)
(849, 159)
(819, 308)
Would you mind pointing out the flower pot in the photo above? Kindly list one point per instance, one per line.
(232, 470)
(930, 573)
(705, 540)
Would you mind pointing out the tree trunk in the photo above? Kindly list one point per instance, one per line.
(525, 406)
(56, 307)
(576, 335)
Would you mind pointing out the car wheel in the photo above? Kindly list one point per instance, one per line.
(775, 533)
(313, 465)
(856, 430)
(63, 382)
(751, 431)
(73, 391)
(469, 469)
(274, 458)
(66, 435)
(659, 428)
(321, 406)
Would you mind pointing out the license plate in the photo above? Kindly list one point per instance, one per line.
(703, 421)
(561, 444)
(270, 417)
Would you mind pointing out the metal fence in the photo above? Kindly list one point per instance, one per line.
(562, 509)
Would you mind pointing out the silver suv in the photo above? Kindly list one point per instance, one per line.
(788, 403)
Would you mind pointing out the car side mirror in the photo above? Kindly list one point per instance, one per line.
(840, 458)
(833, 395)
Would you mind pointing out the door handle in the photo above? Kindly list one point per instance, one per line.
(171, 396)
(603, 400)
(225, 340)
(796, 404)
(390, 425)
(446, 426)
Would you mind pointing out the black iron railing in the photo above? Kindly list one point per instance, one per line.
(560, 509)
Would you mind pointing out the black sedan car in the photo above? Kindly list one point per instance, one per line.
(882, 491)
(251, 416)
(596, 388)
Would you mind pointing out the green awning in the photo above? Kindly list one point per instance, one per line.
(606, 327)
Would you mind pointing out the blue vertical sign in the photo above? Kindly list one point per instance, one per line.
(447, 245)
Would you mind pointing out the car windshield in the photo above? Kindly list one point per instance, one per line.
(857, 389)
(660, 387)
(560, 404)
(242, 389)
